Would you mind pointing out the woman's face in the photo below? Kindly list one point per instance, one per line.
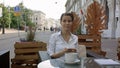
(66, 23)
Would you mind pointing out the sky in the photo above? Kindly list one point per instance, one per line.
(52, 8)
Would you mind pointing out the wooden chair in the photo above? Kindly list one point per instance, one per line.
(26, 54)
(82, 51)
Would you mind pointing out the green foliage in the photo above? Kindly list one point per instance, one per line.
(78, 32)
(4, 18)
(30, 36)
(31, 24)
(31, 33)
(8, 17)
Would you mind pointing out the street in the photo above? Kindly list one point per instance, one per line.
(7, 42)
(8, 39)
(43, 36)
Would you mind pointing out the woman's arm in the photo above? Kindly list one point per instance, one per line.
(52, 46)
(61, 53)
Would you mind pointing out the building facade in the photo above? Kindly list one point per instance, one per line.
(38, 18)
(113, 23)
(43, 23)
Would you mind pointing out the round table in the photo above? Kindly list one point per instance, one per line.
(55, 63)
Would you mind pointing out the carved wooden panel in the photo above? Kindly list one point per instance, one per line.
(95, 18)
(76, 22)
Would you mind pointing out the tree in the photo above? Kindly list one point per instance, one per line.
(23, 19)
(4, 19)
(8, 18)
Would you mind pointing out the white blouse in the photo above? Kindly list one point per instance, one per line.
(57, 43)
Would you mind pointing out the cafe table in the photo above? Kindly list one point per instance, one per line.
(83, 63)
(56, 63)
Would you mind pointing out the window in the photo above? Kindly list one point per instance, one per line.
(36, 18)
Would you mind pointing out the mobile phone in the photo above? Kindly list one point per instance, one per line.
(71, 50)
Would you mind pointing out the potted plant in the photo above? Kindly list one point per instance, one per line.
(31, 32)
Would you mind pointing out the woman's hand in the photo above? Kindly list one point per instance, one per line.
(67, 50)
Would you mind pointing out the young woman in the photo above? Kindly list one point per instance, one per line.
(63, 41)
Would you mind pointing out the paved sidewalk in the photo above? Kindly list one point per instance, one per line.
(110, 46)
(10, 33)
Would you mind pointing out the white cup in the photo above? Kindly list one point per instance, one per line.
(70, 57)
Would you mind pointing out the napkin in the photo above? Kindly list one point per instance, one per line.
(106, 62)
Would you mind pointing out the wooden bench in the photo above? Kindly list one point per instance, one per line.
(26, 54)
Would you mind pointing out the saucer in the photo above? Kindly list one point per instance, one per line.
(75, 62)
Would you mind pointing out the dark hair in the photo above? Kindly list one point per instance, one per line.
(67, 14)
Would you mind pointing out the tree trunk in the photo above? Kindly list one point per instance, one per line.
(3, 28)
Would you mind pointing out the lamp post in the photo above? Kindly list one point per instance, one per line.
(9, 17)
(1, 11)
(23, 12)
(0, 17)
(3, 23)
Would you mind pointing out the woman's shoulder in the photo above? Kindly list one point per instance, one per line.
(74, 36)
(55, 34)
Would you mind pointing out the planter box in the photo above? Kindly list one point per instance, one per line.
(89, 40)
(92, 42)
(27, 53)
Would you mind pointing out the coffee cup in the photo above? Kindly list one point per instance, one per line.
(70, 57)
